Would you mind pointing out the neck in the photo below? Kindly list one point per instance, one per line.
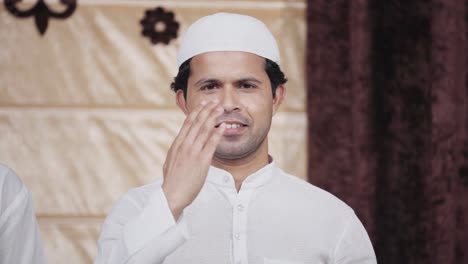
(241, 168)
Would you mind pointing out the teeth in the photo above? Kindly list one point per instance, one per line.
(228, 126)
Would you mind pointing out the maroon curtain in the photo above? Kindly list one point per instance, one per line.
(388, 121)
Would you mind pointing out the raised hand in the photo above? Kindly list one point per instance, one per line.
(190, 155)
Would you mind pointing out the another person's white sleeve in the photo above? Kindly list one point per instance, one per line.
(354, 246)
(20, 240)
(140, 233)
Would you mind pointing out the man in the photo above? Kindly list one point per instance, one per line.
(242, 208)
(20, 242)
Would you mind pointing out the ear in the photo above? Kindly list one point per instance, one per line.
(180, 100)
(279, 96)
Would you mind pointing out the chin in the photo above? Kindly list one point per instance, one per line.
(230, 155)
(236, 150)
(232, 151)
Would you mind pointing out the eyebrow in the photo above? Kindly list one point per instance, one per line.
(213, 80)
(249, 79)
(203, 80)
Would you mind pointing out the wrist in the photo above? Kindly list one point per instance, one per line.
(175, 203)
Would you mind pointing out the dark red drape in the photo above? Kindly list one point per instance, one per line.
(388, 120)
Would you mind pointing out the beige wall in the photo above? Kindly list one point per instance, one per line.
(86, 111)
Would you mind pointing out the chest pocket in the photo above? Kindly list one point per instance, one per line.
(279, 261)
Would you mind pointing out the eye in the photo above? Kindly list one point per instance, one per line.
(210, 86)
(247, 86)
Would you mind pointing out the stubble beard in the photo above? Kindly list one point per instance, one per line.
(240, 147)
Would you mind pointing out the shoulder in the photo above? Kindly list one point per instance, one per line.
(309, 196)
(130, 205)
(8, 179)
(142, 193)
(12, 190)
(135, 199)
(10, 183)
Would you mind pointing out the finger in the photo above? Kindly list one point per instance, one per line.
(188, 123)
(213, 141)
(206, 130)
(182, 133)
(190, 120)
(199, 122)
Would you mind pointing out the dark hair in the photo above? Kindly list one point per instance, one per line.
(272, 69)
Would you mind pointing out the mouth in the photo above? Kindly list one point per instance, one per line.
(233, 128)
(232, 124)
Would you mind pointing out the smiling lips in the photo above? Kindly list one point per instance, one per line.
(232, 127)
(229, 126)
(231, 123)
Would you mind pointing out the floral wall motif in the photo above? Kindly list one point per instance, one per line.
(41, 12)
(159, 26)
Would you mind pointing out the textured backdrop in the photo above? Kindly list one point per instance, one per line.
(86, 111)
(388, 121)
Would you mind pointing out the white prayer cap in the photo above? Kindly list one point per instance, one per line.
(228, 32)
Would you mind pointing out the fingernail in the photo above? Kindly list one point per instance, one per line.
(203, 102)
(223, 125)
(215, 101)
(219, 109)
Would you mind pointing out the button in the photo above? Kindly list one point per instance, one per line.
(240, 207)
(226, 178)
(237, 236)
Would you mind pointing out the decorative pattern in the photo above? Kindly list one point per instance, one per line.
(159, 26)
(112, 105)
(41, 12)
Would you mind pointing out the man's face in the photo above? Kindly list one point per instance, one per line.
(239, 81)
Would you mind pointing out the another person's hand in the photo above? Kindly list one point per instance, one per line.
(190, 156)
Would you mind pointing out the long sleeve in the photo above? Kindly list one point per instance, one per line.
(140, 229)
(354, 246)
(20, 241)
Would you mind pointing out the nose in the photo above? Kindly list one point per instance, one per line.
(230, 100)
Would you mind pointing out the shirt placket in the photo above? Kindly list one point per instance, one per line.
(240, 205)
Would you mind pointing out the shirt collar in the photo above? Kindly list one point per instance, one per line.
(223, 178)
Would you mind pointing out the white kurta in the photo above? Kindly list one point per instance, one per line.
(20, 242)
(275, 218)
